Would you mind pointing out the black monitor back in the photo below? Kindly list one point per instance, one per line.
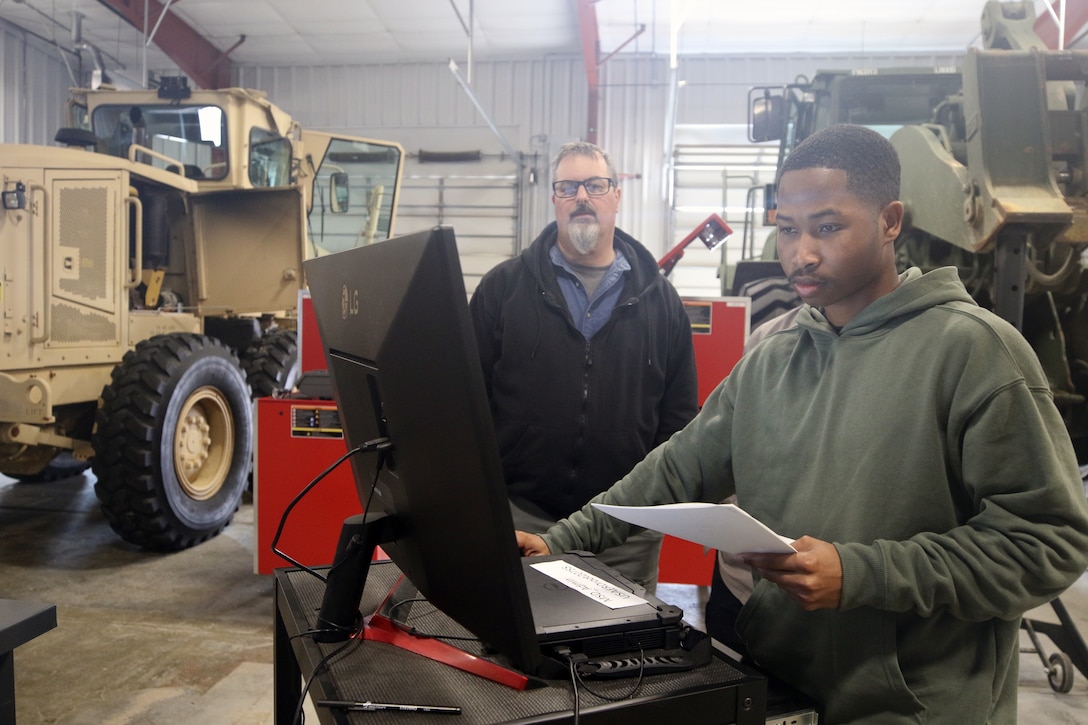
(393, 319)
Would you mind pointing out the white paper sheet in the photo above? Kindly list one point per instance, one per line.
(591, 586)
(722, 526)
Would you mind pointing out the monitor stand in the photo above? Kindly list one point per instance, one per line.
(340, 618)
(379, 627)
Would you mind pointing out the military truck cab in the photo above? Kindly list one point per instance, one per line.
(152, 264)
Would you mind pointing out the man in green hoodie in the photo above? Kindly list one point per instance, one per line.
(906, 438)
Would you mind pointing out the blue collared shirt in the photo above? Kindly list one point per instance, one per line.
(590, 315)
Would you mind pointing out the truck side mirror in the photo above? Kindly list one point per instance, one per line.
(338, 192)
(768, 119)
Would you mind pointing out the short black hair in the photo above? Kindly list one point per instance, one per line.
(869, 160)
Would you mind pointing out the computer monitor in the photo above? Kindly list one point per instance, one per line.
(393, 317)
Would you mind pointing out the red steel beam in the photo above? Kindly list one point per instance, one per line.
(1076, 17)
(194, 54)
(587, 19)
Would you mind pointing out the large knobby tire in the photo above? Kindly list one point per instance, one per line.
(173, 442)
(271, 363)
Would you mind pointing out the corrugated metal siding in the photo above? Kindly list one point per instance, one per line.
(34, 90)
(662, 206)
(537, 106)
(526, 99)
(713, 169)
(634, 109)
(716, 89)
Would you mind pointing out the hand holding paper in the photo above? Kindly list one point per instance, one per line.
(725, 526)
(812, 576)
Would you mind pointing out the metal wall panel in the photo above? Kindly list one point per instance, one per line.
(713, 93)
(524, 98)
(34, 89)
(714, 167)
(536, 105)
(716, 87)
(634, 110)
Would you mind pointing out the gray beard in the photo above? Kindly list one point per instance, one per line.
(583, 235)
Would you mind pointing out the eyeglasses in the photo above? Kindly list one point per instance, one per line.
(595, 186)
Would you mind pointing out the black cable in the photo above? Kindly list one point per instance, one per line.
(378, 444)
(629, 695)
(381, 448)
(574, 684)
(312, 632)
(357, 634)
(294, 502)
(412, 600)
(299, 716)
(411, 629)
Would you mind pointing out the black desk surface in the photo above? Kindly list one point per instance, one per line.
(721, 692)
(22, 621)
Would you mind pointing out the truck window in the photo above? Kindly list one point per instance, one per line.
(77, 115)
(366, 177)
(269, 158)
(887, 102)
(192, 138)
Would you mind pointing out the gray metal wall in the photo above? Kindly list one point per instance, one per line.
(536, 105)
(672, 176)
(717, 87)
(34, 89)
(634, 111)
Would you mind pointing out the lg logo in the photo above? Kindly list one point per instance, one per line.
(349, 302)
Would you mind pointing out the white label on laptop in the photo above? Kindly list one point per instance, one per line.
(591, 586)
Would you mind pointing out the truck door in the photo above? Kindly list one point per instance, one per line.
(86, 231)
(353, 190)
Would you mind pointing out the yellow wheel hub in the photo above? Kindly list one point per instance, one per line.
(204, 443)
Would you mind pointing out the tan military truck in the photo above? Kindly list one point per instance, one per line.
(151, 266)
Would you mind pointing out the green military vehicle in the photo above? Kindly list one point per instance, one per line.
(152, 265)
(993, 179)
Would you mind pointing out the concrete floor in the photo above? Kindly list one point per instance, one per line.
(184, 638)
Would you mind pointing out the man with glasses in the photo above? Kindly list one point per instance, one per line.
(587, 357)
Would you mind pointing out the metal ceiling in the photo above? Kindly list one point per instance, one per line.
(203, 37)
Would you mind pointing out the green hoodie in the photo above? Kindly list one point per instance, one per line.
(922, 440)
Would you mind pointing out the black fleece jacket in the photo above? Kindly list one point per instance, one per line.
(573, 416)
